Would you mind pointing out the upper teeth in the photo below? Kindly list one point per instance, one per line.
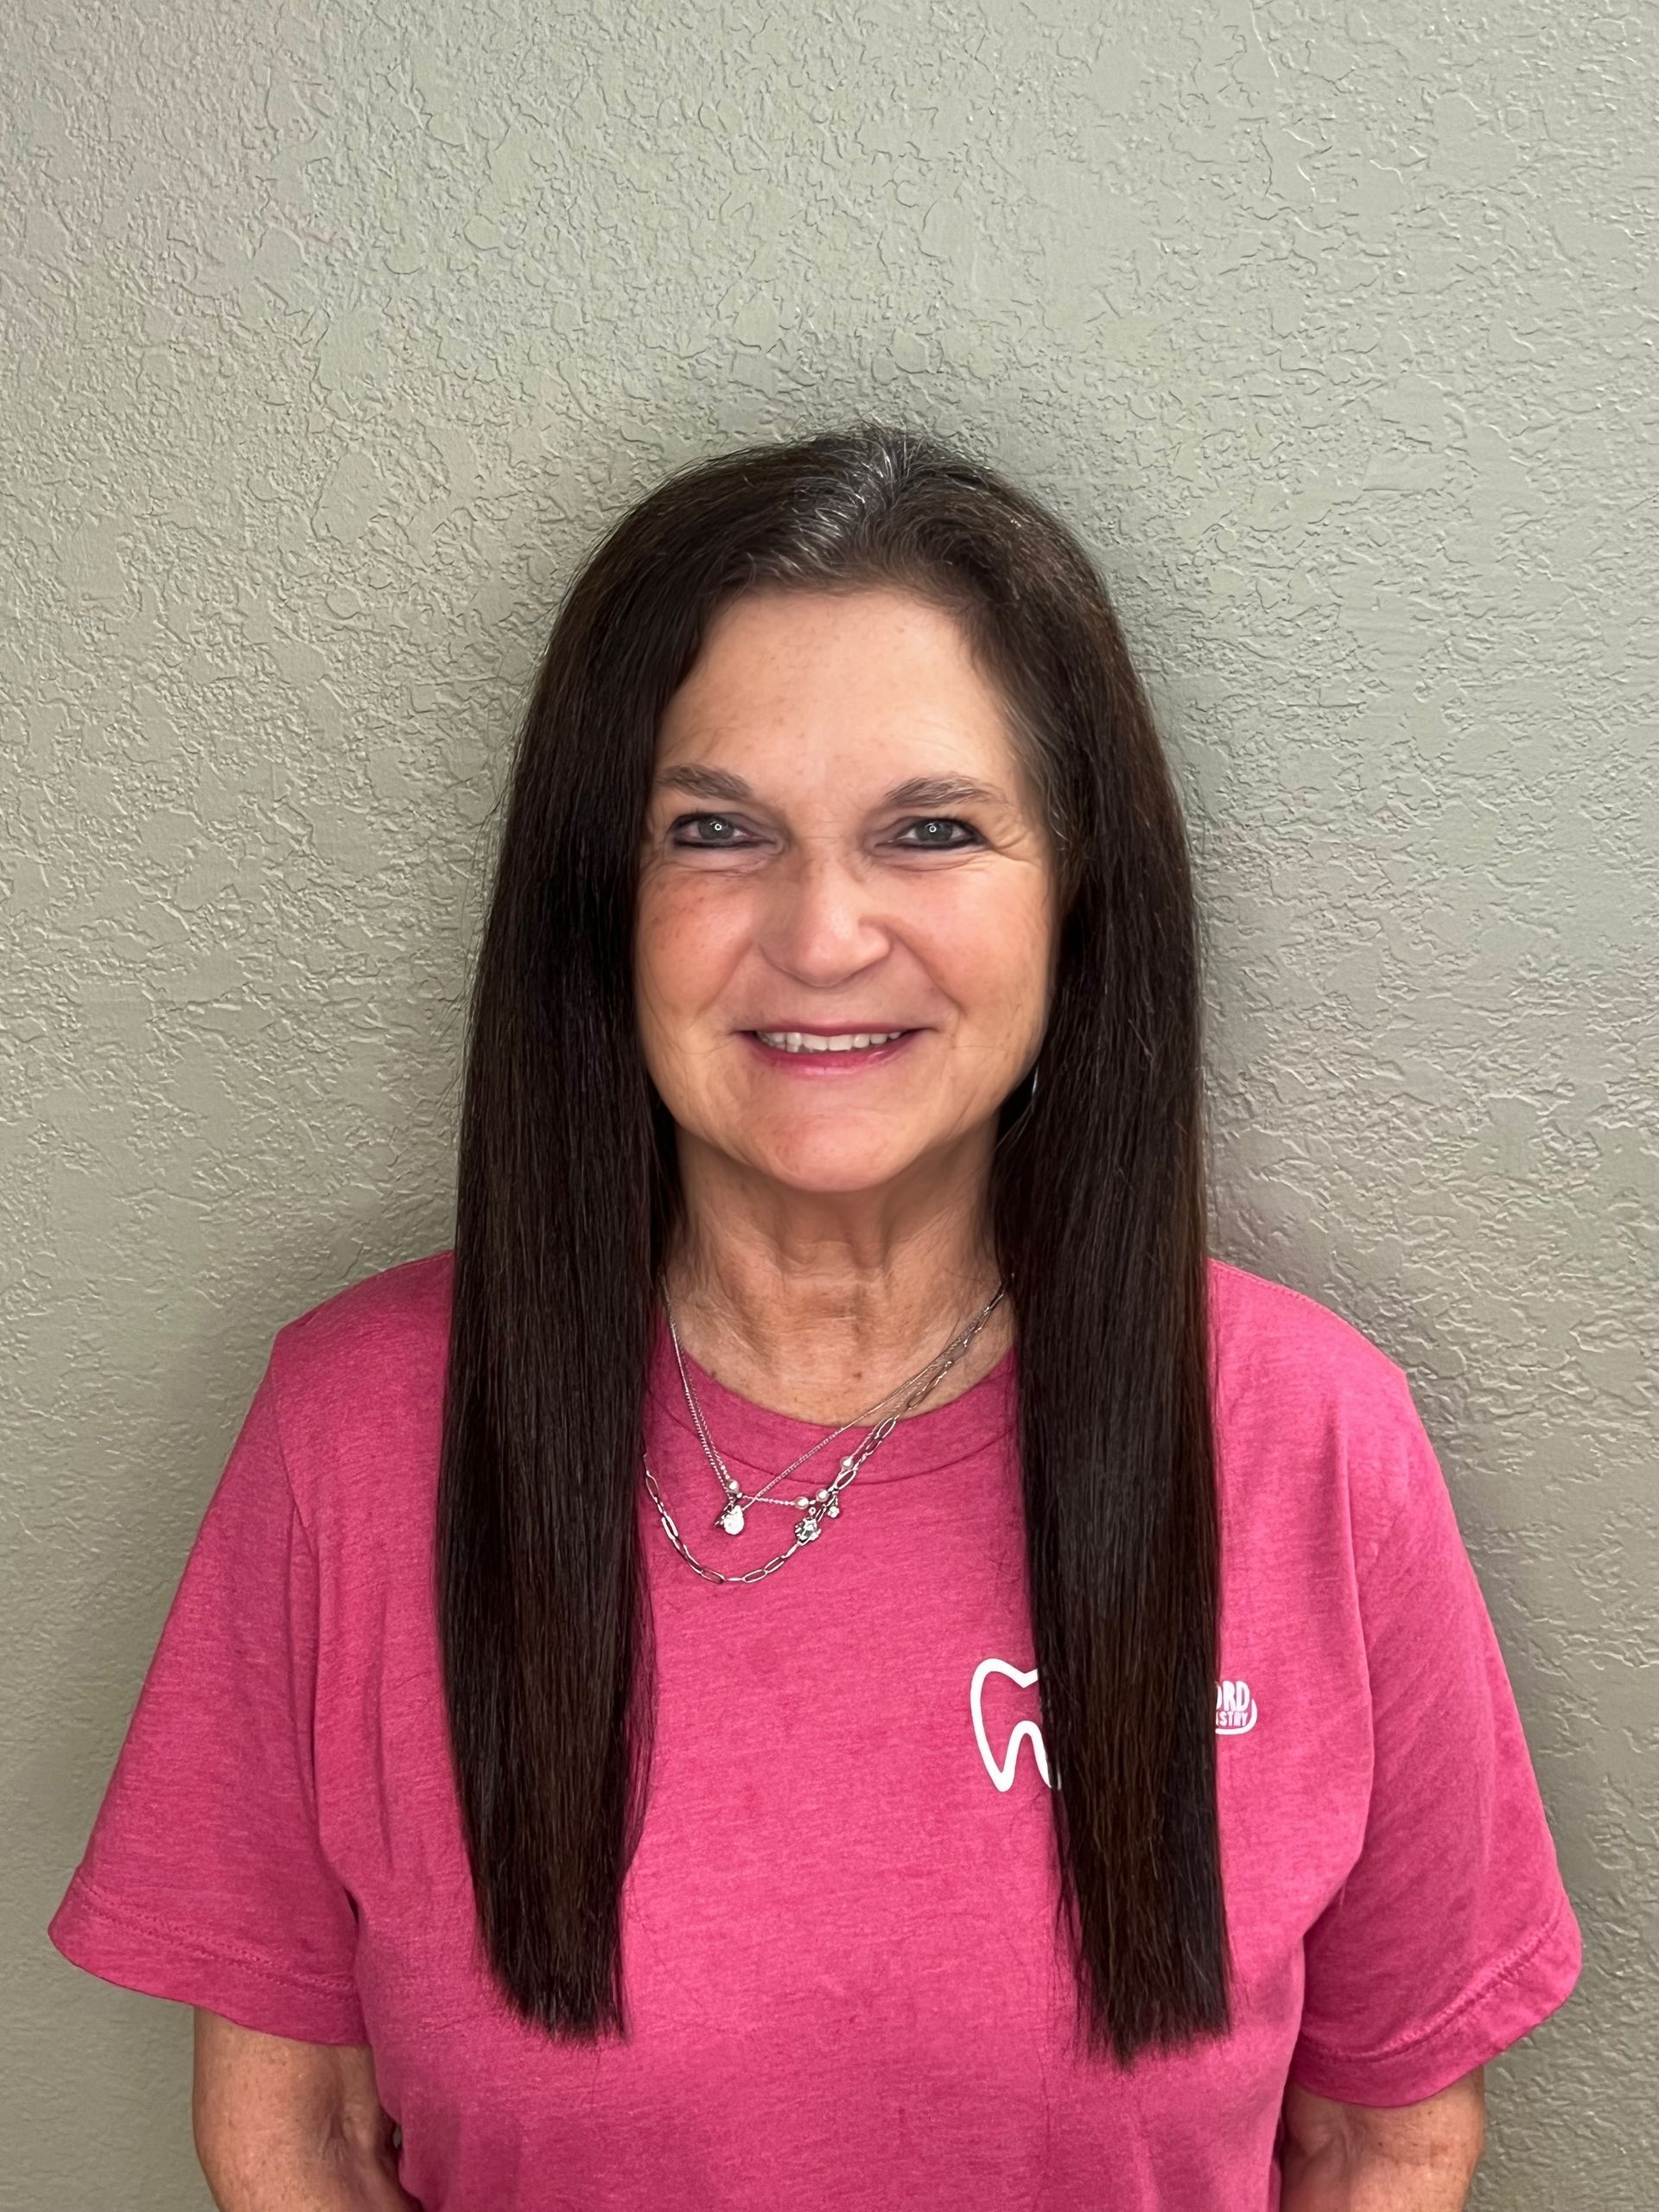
(796, 1040)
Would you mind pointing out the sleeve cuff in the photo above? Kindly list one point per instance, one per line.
(136, 1951)
(1508, 2003)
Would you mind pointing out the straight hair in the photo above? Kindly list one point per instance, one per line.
(569, 1200)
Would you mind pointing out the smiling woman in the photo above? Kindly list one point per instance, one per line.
(821, 907)
(583, 1762)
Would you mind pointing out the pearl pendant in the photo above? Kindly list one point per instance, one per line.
(732, 1520)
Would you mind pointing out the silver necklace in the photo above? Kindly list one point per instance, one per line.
(825, 1503)
(731, 1516)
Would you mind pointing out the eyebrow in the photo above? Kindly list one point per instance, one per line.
(917, 790)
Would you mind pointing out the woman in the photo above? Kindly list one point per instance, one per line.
(828, 1653)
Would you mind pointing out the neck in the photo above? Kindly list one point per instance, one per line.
(816, 1303)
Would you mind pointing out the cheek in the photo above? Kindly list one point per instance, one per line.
(991, 958)
(684, 947)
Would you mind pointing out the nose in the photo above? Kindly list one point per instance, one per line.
(820, 925)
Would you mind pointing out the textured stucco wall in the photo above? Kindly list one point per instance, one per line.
(334, 333)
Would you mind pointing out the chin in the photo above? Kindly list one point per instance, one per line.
(831, 1170)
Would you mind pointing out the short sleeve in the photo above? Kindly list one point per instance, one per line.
(1452, 1936)
(204, 1879)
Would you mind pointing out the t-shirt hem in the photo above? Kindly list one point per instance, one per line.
(139, 1951)
(1534, 1982)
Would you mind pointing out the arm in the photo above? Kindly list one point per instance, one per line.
(285, 2126)
(1419, 2157)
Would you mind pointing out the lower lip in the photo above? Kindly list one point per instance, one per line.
(830, 1064)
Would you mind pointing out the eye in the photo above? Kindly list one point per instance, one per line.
(722, 824)
(940, 845)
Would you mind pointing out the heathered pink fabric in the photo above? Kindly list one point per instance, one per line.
(838, 1928)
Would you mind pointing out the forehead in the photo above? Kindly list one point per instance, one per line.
(833, 672)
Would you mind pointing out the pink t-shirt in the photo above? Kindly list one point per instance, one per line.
(838, 1934)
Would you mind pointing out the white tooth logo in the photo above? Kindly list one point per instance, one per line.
(1003, 1775)
(1235, 1716)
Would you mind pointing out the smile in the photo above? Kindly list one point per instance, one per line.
(839, 1053)
(801, 1040)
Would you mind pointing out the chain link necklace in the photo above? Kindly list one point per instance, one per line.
(825, 1503)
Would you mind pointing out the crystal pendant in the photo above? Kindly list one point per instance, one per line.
(833, 1511)
(732, 1520)
(806, 1530)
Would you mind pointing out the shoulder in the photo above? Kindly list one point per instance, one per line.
(382, 1318)
(1266, 1336)
(357, 1386)
(1314, 1417)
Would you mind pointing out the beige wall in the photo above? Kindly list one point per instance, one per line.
(335, 336)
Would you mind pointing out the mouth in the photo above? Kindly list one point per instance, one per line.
(823, 1052)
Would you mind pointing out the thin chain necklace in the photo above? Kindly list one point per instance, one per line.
(730, 1518)
(825, 1503)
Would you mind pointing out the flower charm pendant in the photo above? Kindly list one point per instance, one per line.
(732, 1520)
(806, 1530)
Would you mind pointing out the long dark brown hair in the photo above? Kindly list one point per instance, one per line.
(568, 1199)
